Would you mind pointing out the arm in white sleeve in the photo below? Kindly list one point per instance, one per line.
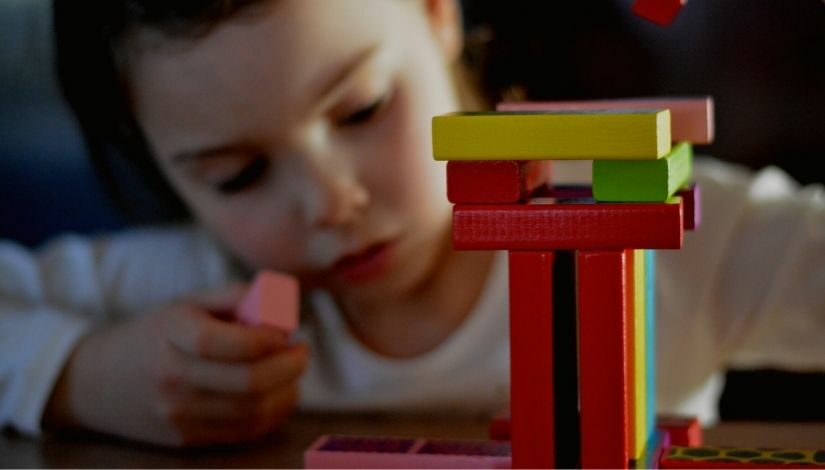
(746, 289)
(51, 298)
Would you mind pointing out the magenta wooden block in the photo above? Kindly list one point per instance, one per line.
(389, 452)
(272, 300)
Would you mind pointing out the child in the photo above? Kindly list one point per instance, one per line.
(296, 134)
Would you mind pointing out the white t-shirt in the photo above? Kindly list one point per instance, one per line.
(746, 290)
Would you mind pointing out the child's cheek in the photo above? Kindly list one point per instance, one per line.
(261, 242)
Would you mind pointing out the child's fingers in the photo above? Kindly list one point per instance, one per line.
(258, 377)
(205, 430)
(210, 406)
(197, 333)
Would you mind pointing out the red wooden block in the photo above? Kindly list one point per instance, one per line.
(494, 181)
(547, 225)
(531, 360)
(692, 200)
(272, 300)
(661, 12)
(683, 430)
(732, 457)
(500, 425)
(604, 285)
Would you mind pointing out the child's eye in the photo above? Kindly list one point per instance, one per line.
(364, 114)
(245, 178)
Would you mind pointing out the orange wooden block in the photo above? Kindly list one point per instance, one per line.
(272, 300)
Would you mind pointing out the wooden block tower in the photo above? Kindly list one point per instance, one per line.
(581, 278)
(582, 371)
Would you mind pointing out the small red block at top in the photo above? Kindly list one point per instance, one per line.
(661, 12)
(272, 300)
(478, 182)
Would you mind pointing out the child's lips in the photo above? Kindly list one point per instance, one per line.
(365, 264)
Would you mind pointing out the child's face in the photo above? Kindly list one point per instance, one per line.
(299, 133)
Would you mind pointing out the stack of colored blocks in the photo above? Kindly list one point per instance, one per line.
(591, 403)
(581, 275)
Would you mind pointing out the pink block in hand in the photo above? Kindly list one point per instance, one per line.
(272, 300)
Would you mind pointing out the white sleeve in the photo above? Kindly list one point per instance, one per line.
(49, 299)
(747, 289)
(775, 276)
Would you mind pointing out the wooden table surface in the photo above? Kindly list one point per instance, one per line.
(284, 448)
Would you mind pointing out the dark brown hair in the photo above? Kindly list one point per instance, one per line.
(88, 36)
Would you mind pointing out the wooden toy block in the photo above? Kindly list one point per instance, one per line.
(650, 327)
(691, 117)
(500, 425)
(544, 224)
(638, 377)
(272, 300)
(576, 135)
(653, 452)
(643, 180)
(532, 425)
(731, 457)
(495, 181)
(691, 198)
(387, 452)
(661, 12)
(683, 430)
(605, 291)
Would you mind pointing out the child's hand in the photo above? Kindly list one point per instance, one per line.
(183, 375)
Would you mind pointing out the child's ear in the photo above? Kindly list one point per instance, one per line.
(446, 23)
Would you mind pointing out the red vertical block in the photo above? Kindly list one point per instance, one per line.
(604, 314)
(531, 360)
(477, 182)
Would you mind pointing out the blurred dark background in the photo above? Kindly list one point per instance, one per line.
(763, 61)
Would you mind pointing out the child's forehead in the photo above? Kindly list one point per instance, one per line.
(294, 33)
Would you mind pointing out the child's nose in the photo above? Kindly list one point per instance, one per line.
(332, 195)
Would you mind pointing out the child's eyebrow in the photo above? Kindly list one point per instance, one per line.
(327, 93)
(209, 152)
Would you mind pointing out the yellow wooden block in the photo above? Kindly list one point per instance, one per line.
(570, 135)
(641, 432)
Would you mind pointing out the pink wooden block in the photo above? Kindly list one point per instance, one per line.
(691, 118)
(388, 452)
(272, 300)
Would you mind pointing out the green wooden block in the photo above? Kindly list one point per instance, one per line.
(643, 180)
